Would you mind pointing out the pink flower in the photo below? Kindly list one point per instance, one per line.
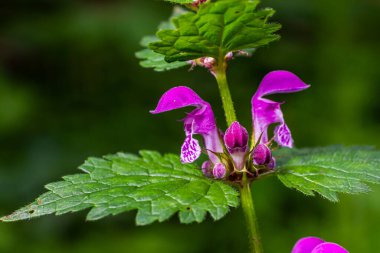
(230, 152)
(316, 245)
(266, 112)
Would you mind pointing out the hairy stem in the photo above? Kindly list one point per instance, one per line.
(229, 110)
(250, 216)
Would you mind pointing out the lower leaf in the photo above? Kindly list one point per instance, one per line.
(329, 170)
(157, 186)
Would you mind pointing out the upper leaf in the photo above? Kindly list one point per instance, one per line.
(216, 29)
(157, 186)
(329, 170)
(150, 59)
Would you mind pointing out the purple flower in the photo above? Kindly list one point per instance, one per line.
(229, 152)
(266, 112)
(199, 121)
(316, 245)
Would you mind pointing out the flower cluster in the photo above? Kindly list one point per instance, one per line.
(317, 245)
(210, 62)
(229, 153)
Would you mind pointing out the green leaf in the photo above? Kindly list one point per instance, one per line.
(150, 59)
(157, 186)
(329, 170)
(216, 29)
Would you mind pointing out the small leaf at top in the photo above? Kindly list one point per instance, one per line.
(329, 170)
(216, 29)
(154, 185)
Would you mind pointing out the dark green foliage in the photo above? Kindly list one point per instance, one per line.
(329, 170)
(157, 186)
(216, 29)
(150, 59)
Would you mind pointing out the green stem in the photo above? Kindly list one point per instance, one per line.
(220, 75)
(245, 190)
(250, 216)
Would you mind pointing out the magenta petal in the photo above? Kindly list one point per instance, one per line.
(180, 97)
(212, 142)
(283, 136)
(266, 112)
(199, 121)
(280, 81)
(190, 150)
(329, 247)
(306, 244)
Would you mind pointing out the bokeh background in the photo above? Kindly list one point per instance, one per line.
(70, 87)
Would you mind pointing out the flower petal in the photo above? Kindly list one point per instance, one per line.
(280, 81)
(283, 136)
(180, 97)
(266, 112)
(190, 150)
(306, 244)
(212, 141)
(329, 247)
(199, 121)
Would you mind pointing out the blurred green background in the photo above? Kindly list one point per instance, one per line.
(70, 87)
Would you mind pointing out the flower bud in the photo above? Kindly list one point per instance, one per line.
(208, 62)
(236, 141)
(261, 155)
(196, 3)
(272, 164)
(236, 138)
(229, 56)
(207, 168)
(219, 171)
